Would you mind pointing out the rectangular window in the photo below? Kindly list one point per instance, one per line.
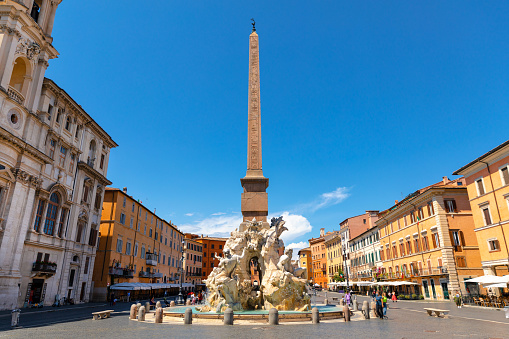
(101, 163)
(52, 144)
(142, 251)
(416, 246)
(431, 211)
(119, 245)
(135, 249)
(123, 204)
(480, 186)
(456, 238)
(450, 206)
(71, 162)
(409, 247)
(412, 217)
(131, 222)
(388, 251)
(402, 249)
(63, 152)
(486, 215)
(122, 218)
(493, 245)
(461, 261)
(504, 175)
(63, 214)
(150, 233)
(421, 213)
(128, 248)
(87, 262)
(425, 244)
(133, 207)
(38, 215)
(394, 252)
(436, 240)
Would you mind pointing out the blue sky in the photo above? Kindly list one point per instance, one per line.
(362, 102)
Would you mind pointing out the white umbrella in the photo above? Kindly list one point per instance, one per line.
(502, 285)
(317, 285)
(488, 279)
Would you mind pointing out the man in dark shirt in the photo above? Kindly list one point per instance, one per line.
(379, 305)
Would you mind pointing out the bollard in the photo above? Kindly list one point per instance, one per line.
(342, 302)
(326, 301)
(188, 316)
(134, 312)
(365, 309)
(228, 316)
(141, 314)
(15, 317)
(273, 316)
(147, 306)
(355, 305)
(172, 303)
(373, 309)
(159, 315)
(138, 305)
(346, 313)
(315, 315)
(158, 304)
(188, 302)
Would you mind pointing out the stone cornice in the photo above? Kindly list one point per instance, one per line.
(93, 173)
(23, 146)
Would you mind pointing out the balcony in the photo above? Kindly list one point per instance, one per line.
(144, 274)
(415, 273)
(121, 272)
(151, 259)
(15, 95)
(44, 268)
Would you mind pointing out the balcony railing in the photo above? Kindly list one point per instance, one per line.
(415, 273)
(151, 259)
(144, 274)
(44, 268)
(121, 272)
(15, 95)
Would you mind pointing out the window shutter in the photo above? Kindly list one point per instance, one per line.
(454, 206)
(462, 238)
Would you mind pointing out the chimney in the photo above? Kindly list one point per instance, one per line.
(396, 202)
(445, 180)
(322, 232)
(124, 190)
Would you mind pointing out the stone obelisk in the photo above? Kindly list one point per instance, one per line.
(254, 199)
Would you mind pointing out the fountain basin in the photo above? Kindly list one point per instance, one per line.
(326, 312)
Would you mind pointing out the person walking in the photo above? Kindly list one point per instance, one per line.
(384, 304)
(457, 299)
(379, 306)
(394, 298)
(112, 298)
(348, 298)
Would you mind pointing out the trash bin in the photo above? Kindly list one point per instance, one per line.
(506, 309)
(15, 317)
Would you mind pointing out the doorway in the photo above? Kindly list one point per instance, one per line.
(36, 291)
(445, 289)
(426, 290)
(432, 282)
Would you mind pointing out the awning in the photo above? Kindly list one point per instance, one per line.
(489, 279)
(146, 286)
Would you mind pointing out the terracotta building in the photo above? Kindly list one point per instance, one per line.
(487, 180)
(306, 262)
(135, 245)
(211, 245)
(428, 238)
(193, 259)
(53, 168)
(319, 259)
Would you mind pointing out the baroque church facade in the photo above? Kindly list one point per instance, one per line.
(53, 166)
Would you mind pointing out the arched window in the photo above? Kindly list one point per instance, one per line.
(68, 123)
(91, 154)
(18, 84)
(51, 214)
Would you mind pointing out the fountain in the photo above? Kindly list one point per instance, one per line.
(230, 284)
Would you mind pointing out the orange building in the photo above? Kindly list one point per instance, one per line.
(428, 238)
(193, 259)
(487, 179)
(319, 259)
(211, 245)
(135, 245)
(306, 262)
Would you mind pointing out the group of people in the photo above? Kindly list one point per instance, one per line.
(381, 305)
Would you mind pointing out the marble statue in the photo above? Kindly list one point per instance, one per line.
(230, 284)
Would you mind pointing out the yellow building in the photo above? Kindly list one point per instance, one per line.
(334, 255)
(306, 262)
(135, 245)
(193, 259)
(428, 238)
(487, 179)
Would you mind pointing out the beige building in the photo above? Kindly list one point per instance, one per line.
(305, 262)
(334, 255)
(53, 167)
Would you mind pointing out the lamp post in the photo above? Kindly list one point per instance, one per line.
(180, 300)
(346, 269)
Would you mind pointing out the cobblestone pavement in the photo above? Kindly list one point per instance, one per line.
(406, 320)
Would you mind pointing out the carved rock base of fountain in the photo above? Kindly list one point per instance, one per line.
(230, 284)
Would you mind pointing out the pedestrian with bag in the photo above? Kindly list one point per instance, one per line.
(384, 305)
(379, 307)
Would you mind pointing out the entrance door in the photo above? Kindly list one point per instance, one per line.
(432, 281)
(445, 289)
(36, 291)
(425, 286)
(83, 288)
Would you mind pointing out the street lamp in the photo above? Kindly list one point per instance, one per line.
(346, 269)
(180, 300)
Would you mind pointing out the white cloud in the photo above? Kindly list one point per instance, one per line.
(297, 246)
(297, 225)
(216, 226)
(218, 213)
(189, 214)
(326, 199)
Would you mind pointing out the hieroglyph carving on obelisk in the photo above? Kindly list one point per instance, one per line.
(254, 152)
